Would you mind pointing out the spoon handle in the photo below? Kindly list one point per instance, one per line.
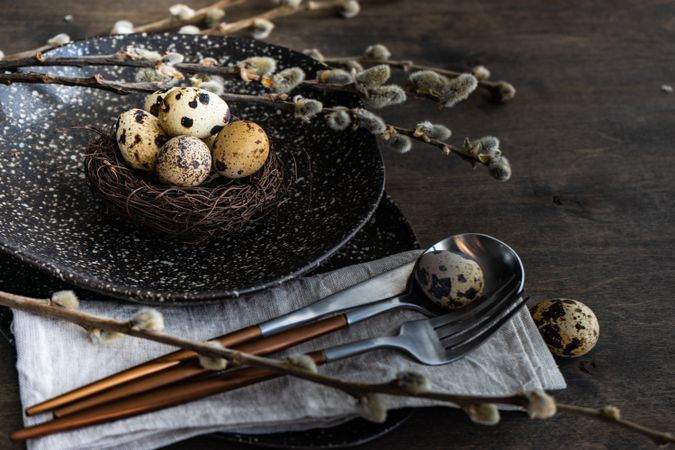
(385, 285)
(153, 400)
(192, 368)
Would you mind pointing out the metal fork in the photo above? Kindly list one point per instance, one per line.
(442, 339)
(434, 341)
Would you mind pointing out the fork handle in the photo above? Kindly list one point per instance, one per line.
(356, 348)
(149, 367)
(191, 369)
(154, 400)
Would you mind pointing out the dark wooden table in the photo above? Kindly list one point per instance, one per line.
(591, 204)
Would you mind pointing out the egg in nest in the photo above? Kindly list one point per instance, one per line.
(154, 101)
(568, 327)
(449, 279)
(240, 149)
(184, 161)
(193, 112)
(139, 138)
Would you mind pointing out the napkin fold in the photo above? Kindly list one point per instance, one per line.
(54, 356)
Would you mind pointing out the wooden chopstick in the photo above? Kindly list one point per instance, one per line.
(190, 369)
(154, 400)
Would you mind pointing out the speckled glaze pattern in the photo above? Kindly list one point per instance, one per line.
(49, 218)
(387, 232)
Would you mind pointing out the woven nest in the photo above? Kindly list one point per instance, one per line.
(189, 213)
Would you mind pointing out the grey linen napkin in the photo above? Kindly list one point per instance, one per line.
(54, 356)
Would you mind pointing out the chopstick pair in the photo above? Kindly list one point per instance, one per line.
(174, 367)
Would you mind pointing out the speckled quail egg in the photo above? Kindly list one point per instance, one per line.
(449, 279)
(139, 138)
(183, 161)
(154, 101)
(210, 141)
(241, 149)
(568, 327)
(193, 112)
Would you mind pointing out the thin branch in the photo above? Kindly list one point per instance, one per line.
(166, 24)
(43, 308)
(226, 28)
(358, 390)
(607, 415)
(172, 23)
(280, 101)
(96, 81)
(494, 87)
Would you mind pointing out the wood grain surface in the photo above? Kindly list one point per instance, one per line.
(590, 207)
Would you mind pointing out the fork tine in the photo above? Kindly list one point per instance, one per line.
(493, 311)
(458, 350)
(477, 307)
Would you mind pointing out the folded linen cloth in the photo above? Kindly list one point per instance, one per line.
(54, 356)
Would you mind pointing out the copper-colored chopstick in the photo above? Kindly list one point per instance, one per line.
(190, 369)
(152, 366)
(153, 400)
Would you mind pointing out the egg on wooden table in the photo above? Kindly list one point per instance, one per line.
(568, 326)
(241, 149)
(183, 161)
(193, 112)
(449, 279)
(139, 138)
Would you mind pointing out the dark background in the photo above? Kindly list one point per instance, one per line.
(589, 208)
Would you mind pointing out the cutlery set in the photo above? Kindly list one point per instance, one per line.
(441, 338)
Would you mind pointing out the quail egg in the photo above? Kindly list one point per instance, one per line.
(568, 327)
(139, 138)
(193, 112)
(154, 101)
(183, 161)
(449, 279)
(241, 149)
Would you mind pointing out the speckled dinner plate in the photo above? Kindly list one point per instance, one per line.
(387, 232)
(49, 218)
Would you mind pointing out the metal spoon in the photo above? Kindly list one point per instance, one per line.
(392, 290)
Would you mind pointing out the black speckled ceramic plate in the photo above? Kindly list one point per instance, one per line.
(386, 233)
(49, 218)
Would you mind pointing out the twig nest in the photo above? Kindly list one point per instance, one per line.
(449, 279)
(139, 137)
(184, 161)
(215, 208)
(568, 327)
(194, 112)
(240, 149)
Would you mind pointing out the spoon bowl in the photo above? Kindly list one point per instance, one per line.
(498, 261)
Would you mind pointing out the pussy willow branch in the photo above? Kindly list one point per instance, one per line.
(166, 24)
(173, 23)
(357, 390)
(226, 28)
(123, 88)
(40, 60)
(491, 86)
(43, 308)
